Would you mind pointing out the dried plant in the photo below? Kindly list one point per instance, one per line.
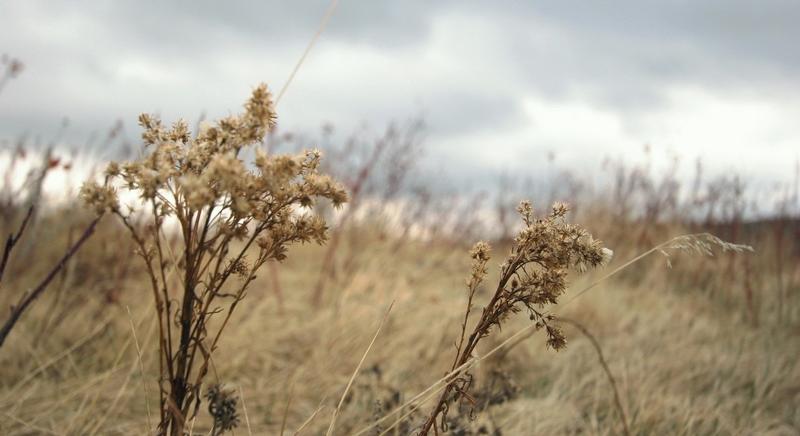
(223, 209)
(222, 407)
(532, 277)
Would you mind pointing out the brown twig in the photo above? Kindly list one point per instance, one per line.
(29, 297)
(12, 241)
(604, 364)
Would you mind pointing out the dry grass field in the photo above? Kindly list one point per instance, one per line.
(685, 361)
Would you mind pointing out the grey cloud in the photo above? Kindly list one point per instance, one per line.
(622, 55)
(460, 113)
(186, 26)
(762, 31)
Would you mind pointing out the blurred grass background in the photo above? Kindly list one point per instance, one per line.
(708, 346)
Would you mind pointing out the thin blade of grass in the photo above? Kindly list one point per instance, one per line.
(101, 326)
(355, 373)
(310, 418)
(244, 410)
(141, 369)
(288, 405)
(320, 29)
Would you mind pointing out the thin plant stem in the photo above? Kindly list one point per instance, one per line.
(355, 372)
(604, 364)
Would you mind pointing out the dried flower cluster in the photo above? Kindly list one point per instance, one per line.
(222, 407)
(532, 277)
(233, 218)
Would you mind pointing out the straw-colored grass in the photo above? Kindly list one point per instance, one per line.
(683, 364)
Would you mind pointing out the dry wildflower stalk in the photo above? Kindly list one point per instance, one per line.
(532, 277)
(223, 209)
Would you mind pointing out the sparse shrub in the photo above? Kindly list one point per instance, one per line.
(222, 209)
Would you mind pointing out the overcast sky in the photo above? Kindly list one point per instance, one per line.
(499, 83)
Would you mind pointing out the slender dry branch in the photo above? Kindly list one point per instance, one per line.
(604, 364)
(29, 297)
(12, 241)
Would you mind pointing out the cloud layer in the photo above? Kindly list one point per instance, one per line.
(500, 84)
